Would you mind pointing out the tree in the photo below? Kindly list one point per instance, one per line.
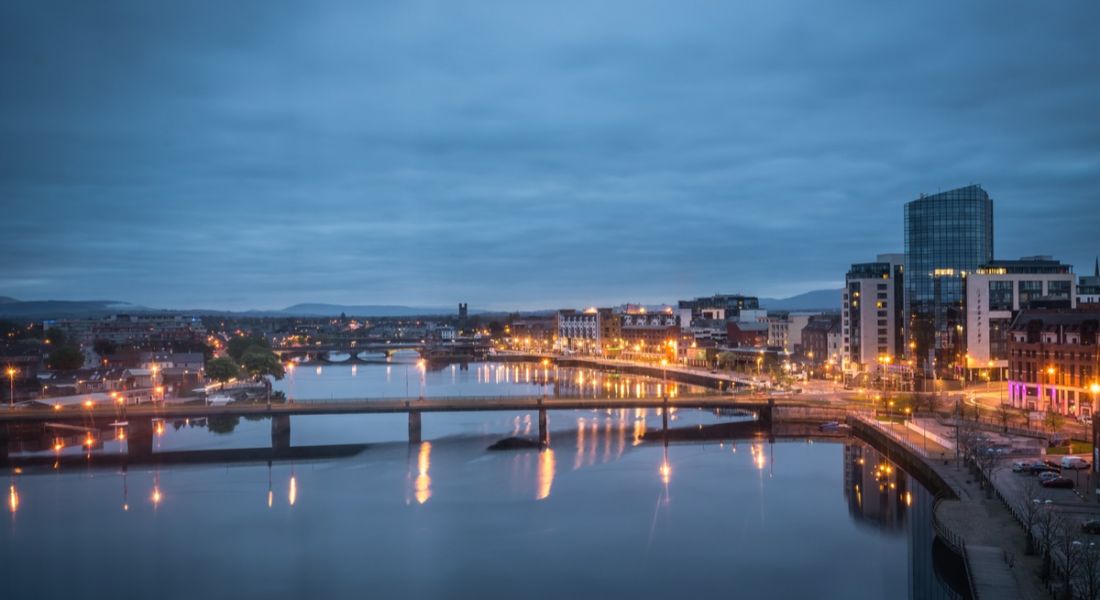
(1048, 526)
(259, 362)
(930, 402)
(222, 369)
(1090, 571)
(104, 347)
(238, 346)
(1053, 421)
(1030, 505)
(1069, 544)
(1003, 413)
(66, 358)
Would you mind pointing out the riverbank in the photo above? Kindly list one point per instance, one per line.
(977, 526)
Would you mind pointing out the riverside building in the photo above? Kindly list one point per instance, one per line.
(996, 292)
(871, 314)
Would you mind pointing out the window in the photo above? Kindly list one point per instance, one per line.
(1000, 295)
(1030, 290)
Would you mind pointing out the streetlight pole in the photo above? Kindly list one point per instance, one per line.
(11, 387)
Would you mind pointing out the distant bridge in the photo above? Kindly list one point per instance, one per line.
(428, 350)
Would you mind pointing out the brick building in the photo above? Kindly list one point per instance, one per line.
(1053, 360)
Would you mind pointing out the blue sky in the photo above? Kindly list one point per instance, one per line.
(525, 155)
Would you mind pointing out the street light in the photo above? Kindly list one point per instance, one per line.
(11, 387)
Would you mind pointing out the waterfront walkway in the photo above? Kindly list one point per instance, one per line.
(998, 568)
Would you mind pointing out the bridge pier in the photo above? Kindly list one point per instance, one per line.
(4, 437)
(414, 426)
(139, 438)
(664, 422)
(544, 431)
(280, 432)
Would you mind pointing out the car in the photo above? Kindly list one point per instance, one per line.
(1021, 465)
(1048, 475)
(1074, 462)
(1037, 468)
(1091, 526)
(1057, 482)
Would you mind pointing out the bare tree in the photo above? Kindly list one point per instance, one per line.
(1089, 571)
(986, 455)
(1030, 506)
(930, 401)
(1070, 547)
(1003, 413)
(1048, 527)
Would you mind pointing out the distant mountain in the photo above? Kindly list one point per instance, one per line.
(7, 300)
(368, 310)
(53, 309)
(815, 300)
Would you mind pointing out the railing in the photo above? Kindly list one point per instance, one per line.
(949, 536)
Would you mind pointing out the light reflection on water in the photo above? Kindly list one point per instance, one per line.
(403, 378)
(591, 515)
(652, 521)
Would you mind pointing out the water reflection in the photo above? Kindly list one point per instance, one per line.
(600, 516)
(375, 380)
(876, 490)
(420, 486)
(547, 466)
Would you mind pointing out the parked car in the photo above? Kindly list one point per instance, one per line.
(1057, 464)
(1091, 526)
(1021, 466)
(1058, 482)
(1048, 475)
(1074, 462)
(1037, 468)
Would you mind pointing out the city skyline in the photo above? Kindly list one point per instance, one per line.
(193, 156)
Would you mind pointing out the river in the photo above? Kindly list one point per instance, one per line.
(604, 512)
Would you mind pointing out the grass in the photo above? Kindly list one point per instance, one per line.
(1078, 446)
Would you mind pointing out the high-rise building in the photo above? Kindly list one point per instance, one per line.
(871, 313)
(996, 292)
(947, 236)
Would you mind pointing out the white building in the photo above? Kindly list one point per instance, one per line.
(997, 291)
(871, 313)
(587, 332)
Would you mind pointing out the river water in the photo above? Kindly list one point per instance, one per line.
(606, 512)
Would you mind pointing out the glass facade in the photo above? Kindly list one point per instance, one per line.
(947, 236)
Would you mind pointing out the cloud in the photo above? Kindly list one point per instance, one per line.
(246, 155)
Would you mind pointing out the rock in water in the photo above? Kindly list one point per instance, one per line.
(515, 443)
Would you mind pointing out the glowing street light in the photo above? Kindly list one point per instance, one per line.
(11, 386)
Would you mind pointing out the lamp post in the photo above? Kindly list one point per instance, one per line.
(11, 387)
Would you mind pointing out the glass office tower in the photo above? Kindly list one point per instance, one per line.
(947, 236)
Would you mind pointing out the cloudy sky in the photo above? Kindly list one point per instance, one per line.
(511, 154)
